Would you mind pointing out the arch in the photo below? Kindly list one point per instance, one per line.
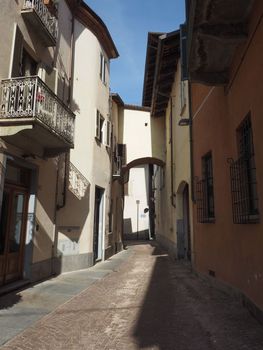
(181, 187)
(141, 161)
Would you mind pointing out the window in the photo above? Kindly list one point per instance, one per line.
(103, 132)
(108, 134)
(243, 177)
(205, 192)
(182, 95)
(99, 126)
(103, 68)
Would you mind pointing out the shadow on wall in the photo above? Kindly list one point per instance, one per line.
(76, 217)
(129, 234)
(127, 226)
(46, 264)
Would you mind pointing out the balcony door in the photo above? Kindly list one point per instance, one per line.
(12, 232)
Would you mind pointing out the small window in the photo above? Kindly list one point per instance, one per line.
(103, 68)
(182, 94)
(243, 177)
(108, 134)
(99, 126)
(205, 192)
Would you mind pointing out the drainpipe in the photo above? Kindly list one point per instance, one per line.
(191, 142)
(193, 256)
(172, 153)
(66, 155)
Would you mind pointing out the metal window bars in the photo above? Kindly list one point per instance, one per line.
(244, 190)
(30, 97)
(202, 201)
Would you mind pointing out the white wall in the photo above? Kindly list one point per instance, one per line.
(142, 135)
(137, 191)
(90, 157)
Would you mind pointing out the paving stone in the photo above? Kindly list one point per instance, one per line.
(147, 301)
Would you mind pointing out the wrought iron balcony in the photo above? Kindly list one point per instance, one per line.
(27, 103)
(37, 13)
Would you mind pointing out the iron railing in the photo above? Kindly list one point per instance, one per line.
(49, 21)
(244, 190)
(30, 97)
(205, 211)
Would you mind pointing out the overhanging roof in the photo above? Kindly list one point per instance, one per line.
(163, 52)
(95, 24)
(215, 29)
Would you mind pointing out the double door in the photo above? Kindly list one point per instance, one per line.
(12, 232)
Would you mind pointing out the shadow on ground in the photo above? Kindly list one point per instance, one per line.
(9, 300)
(161, 323)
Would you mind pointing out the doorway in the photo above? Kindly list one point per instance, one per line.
(98, 223)
(183, 226)
(186, 222)
(13, 223)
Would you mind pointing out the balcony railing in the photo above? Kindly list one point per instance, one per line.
(49, 21)
(30, 97)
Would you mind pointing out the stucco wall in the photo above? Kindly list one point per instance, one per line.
(89, 156)
(136, 200)
(169, 201)
(233, 252)
(10, 15)
(142, 135)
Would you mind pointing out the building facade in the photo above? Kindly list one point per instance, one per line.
(227, 143)
(166, 93)
(37, 127)
(55, 124)
(83, 233)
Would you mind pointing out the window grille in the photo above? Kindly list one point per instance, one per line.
(243, 178)
(205, 192)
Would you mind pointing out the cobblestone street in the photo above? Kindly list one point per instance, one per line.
(147, 302)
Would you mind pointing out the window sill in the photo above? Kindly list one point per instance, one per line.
(251, 219)
(98, 140)
(207, 221)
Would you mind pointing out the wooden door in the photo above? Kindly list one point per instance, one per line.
(12, 233)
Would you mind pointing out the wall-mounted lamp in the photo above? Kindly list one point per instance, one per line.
(184, 122)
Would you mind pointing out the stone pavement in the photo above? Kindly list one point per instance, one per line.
(147, 301)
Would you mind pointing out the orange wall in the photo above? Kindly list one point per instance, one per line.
(234, 252)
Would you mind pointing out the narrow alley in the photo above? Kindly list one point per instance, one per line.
(147, 301)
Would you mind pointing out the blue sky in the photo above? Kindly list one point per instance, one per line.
(129, 23)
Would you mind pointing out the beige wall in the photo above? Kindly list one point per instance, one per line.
(142, 135)
(10, 16)
(169, 201)
(90, 157)
(137, 190)
(45, 170)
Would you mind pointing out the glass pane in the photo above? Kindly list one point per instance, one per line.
(3, 221)
(16, 223)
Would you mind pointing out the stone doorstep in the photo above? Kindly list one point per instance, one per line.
(11, 287)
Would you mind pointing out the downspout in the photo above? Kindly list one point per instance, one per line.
(191, 142)
(172, 153)
(66, 156)
(70, 103)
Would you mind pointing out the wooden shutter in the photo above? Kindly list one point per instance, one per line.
(17, 57)
(183, 44)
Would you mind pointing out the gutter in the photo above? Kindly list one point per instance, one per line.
(191, 142)
(172, 153)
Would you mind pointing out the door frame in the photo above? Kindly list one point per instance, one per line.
(99, 224)
(12, 189)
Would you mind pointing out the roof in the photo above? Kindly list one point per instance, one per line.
(116, 98)
(216, 28)
(95, 24)
(163, 52)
